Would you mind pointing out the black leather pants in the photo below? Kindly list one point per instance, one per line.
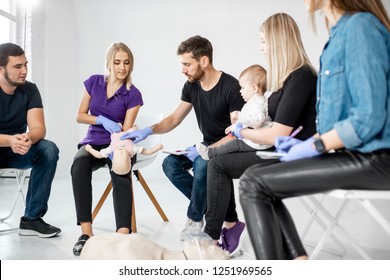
(262, 189)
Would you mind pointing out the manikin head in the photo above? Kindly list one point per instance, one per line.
(121, 162)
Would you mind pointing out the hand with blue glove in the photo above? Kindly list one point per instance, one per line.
(137, 135)
(301, 150)
(284, 143)
(108, 124)
(192, 153)
(236, 130)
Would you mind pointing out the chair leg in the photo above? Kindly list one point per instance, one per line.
(314, 216)
(334, 224)
(152, 197)
(382, 221)
(133, 214)
(20, 176)
(133, 217)
(101, 201)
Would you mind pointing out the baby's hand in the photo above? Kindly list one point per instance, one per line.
(234, 116)
(228, 129)
(160, 146)
(88, 148)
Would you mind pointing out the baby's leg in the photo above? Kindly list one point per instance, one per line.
(233, 146)
(152, 150)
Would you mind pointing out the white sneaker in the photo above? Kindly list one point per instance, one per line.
(191, 226)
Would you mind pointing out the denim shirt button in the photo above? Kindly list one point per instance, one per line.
(327, 72)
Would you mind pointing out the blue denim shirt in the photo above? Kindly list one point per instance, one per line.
(353, 88)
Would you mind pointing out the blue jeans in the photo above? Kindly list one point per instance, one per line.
(42, 159)
(193, 187)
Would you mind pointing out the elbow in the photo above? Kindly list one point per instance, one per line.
(78, 119)
(43, 133)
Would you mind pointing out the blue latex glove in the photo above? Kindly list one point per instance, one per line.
(301, 150)
(108, 124)
(284, 143)
(137, 135)
(192, 153)
(236, 130)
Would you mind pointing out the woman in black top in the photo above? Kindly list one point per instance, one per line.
(292, 80)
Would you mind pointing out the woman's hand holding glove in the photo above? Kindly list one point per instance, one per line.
(108, 124)
(303, 149)
(284, 143)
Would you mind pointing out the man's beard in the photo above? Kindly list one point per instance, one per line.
(12, 83)
(197, 76)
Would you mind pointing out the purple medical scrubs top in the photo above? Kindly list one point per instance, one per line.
(113, 108)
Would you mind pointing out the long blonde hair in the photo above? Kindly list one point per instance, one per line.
(374, 7)
(284, 49)
(110, 54)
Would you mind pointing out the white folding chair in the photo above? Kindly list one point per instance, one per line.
(142, 162)
(331, 222)
(20, 175)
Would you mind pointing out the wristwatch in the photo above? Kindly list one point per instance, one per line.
(319, 145)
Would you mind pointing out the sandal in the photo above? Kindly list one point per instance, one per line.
(80, 244)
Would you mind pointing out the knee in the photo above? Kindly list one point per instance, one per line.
(121, 181)
(248, 186)
(169, 165)
(214, 163)
(79, 163)
(48, 150)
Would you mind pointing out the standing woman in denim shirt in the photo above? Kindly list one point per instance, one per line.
(353, 119)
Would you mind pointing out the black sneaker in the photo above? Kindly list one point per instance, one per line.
(37, 227)
(80, 244)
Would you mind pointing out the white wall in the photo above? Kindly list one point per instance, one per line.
(61, 78)
(78, 32)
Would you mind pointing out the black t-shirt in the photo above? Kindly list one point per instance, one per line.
(294, 104)
(14, 107)
(212, 108)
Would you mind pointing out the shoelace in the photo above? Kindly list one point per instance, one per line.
(224, 244)
(42, 222)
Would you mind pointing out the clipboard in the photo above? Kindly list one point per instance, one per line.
(176, 152)
(269, 155)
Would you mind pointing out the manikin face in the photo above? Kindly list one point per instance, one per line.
(121, 164)
(191, 67)
(15, 72)
(248, 89)
(121, 65)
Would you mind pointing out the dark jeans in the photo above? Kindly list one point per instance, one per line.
(83, 166)
(262, 189)
(42, 159)
(233, 146)
(192, 186)
(221, 171)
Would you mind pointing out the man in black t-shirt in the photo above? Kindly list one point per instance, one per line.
(22, 143)
(214, 95)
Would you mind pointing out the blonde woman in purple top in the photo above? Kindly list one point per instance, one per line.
(110, 103)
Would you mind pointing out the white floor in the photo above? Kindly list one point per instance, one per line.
(62, 214)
